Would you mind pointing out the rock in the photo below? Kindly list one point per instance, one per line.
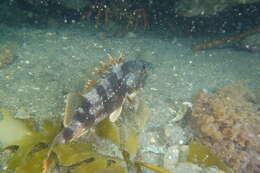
(171, 157)
(23, 113)
(151, 158)
(71, 4)
(191, 8)
(184, 152)
(151, 142)
(186, 167)
(212, 170)
(179, 111)
(131, 35)
(7, 57)
(5, 155)
(175, 134)
(75, 4)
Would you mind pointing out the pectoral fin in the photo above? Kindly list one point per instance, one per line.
(132, 98)
(115, 115)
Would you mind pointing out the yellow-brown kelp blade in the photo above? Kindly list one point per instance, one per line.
(152, 167)
(139, 164)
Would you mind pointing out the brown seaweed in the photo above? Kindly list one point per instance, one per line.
(227, 121)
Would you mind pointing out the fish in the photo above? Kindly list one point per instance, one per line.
(118, 84)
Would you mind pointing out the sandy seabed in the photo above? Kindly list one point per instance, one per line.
(52, 62)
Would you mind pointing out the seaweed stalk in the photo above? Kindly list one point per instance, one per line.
(152, 167)
(208, 45)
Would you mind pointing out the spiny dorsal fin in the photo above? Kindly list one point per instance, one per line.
(102, 70)
(89, 84)
(105, 66)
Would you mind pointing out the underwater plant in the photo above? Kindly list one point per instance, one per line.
(77, 156)
(30, 146)
(201, 155)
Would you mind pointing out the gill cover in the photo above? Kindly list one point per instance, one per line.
(136, 73)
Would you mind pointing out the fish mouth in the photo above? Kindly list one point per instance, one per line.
(148, 65)
(145, 64)
(59, 139)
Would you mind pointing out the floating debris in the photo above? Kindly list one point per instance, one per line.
(212, 44)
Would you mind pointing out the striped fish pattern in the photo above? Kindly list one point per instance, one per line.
(105, 98)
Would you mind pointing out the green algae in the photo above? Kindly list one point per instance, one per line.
(122, 136)
(74, 157)
(201, 155)
(31, 163)
(22, 136)
(28, 158)
(33, 148)
(70, 155)
(11, 130)
(100, 164)
(107, 130)
(131, 142)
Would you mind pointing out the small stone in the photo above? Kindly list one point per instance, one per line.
(250, 43)
(212, 170)
(22, 114)
(151, 158)
(171, 157)
(186, 167)
(7, 57)
(154, 89)
(131, 35)
(184, 153)
(175, 135)
(151, 142)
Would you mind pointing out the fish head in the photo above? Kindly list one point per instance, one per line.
(136, 73)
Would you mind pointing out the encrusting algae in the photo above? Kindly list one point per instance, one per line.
(227, 122)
